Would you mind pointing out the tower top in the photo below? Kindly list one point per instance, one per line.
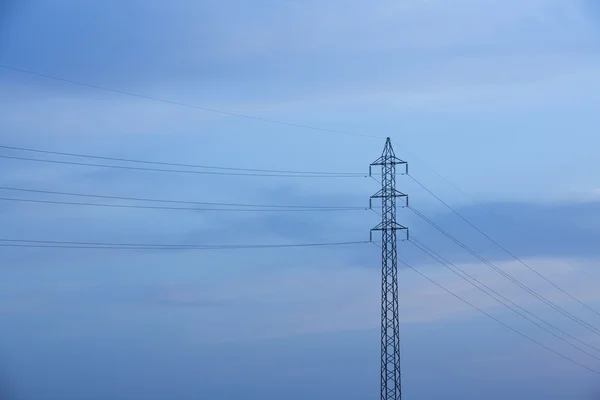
(388, 150)
(388, 156)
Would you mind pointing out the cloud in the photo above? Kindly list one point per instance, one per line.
(485, 90)
(525, 229)
(520, 71)
(428, 51)
(248, 302)
(396, 57)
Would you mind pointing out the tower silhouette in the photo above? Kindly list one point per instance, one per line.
(390, 335)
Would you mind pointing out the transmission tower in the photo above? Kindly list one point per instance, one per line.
(390, 333)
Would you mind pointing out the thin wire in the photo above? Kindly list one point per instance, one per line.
(168, 201)
(502, 247)
(196, 107)
(174, 170)
(494, 318)
(445, 179)
(139, 246)
(483, 206)
(213, 110)
(278, 171)
(452, 267)
(507, 276)
(433, 170)
(183, 208)
(499, 321)
(375, 179)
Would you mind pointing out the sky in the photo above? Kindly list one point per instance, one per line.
(495, 98)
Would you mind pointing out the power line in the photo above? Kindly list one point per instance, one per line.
(499, 321)
(484, 207)
(439, 175)
(448, 181)
(212, 110)
(488, 290)
(175, 170)
(502, 247)
(182, 208)
(494, 318)
(50, 77)
(145, 199)
(141, 246)
(282, 123)
(455, 186)
(487, 209)
(138, 161)
(508, 276)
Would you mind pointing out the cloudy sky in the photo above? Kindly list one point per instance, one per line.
(497, 97)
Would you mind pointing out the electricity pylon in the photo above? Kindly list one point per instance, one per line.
(390, 333)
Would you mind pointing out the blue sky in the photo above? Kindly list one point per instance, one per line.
(499, 97)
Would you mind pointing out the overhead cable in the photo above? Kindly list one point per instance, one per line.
(497, 296)
(128, 167)
(172, 164)
(141, 246)
(508, 276)
(485, 235)
(177, 103)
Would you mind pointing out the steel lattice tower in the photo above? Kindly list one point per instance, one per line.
(390, 334)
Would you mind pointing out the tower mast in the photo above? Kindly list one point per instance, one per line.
(390, 334)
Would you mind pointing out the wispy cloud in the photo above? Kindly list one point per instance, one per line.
(300, 299)
(482, 90)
